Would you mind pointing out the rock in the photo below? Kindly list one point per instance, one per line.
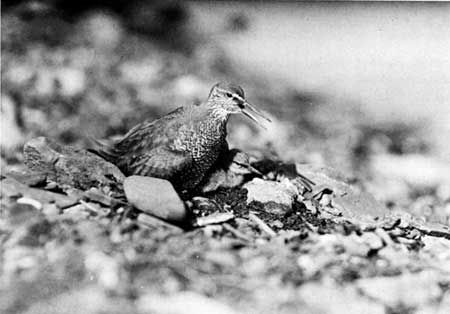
(70, 167)
(155, 196)
(88, 299)
(333, 299)
(419, 171)
(9, 125)
(270, 191)
(153, 222)
(181, 303)
(406, 290)
(372, 240)
(102, 30)
(72, 81)
(106, 269)
(352, 201)
(354, 245)
(13, 188)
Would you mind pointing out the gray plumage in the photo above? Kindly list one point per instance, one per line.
(184, 144)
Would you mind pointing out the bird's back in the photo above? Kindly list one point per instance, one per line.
(180, 147)
(142, 139)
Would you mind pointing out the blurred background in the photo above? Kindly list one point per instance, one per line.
(362, 87)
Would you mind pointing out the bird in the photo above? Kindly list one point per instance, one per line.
(231, 170)
(183, 145)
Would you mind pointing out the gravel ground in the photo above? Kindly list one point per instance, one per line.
(371, 235)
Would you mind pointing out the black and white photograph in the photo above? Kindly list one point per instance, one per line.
(224, 157)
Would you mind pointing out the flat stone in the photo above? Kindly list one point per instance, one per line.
(13, 188)
(351, 200)
(155, 196)
(69, 167)
(270, 191)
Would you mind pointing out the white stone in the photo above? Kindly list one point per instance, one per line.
(72, 81)
(155, 196)
(409, 290)
(181, 303)
(270, 191)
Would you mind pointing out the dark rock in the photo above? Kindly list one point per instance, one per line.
(155, 196)
(13, 188)
(69, 167)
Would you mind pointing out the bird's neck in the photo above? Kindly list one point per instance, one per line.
(216, 113)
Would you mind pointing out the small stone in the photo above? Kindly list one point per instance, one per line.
(181, 303)
(76, 213)
(268, 191)
(105, 268)
(9, 125)
(155, 196)
(102, 30)
(50, 210)
(354, 245)
(333, 299)
(310, 206)
(372, 240)
(418, 171)
(153, 222)
(276, 224)
(26, 200)
(407, 290)
(71, 81)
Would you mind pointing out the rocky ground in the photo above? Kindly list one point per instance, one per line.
(369, 235)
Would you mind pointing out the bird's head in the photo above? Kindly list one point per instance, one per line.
(229, 98)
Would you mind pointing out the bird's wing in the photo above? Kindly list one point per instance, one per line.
(143, 137)
(159, 162)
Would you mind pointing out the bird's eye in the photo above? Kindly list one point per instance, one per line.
(229, 95)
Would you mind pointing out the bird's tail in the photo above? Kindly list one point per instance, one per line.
(103, 149)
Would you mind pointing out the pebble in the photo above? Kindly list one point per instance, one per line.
(406, 290)
(155, 196)
(9, 125)
(71, 81)
(372, 240)
(334, 299)
(181, 303)
(419, 171)
(354, 245)
(103, 30)
(76, 213)
(153, 222)
(106, 269)
(269, 191)
(26, 200)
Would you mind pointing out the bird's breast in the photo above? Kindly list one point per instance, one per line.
(203, 141)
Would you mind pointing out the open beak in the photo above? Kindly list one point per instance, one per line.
(254, 114)
(254, 170)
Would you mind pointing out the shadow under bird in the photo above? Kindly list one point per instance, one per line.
(183, 145)
(230, 171)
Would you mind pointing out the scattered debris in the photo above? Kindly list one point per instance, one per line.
(262, 225)
(216, 218)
